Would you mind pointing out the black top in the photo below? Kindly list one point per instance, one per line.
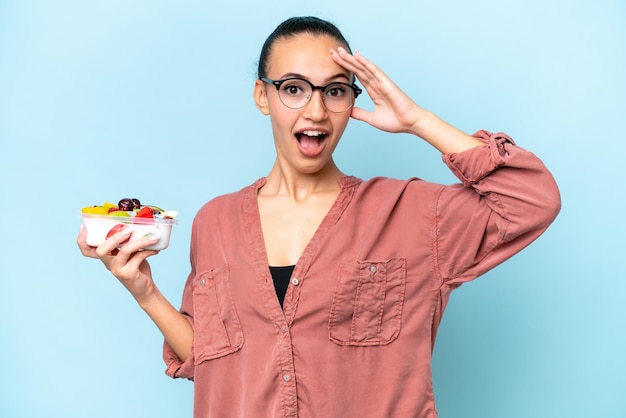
(281, 276)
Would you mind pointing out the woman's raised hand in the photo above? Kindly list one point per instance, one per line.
(394, 111)
(127, 263)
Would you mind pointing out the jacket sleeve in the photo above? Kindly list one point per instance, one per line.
(175, 367)
(507, 198)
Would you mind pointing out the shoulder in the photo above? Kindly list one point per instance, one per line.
(227, 204)
(385, 194)
(391, 186)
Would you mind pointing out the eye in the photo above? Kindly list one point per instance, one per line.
(294, 88)
(335, 90)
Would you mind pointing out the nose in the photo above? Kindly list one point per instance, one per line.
(315, 108)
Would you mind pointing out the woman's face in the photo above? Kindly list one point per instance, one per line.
(305, 138)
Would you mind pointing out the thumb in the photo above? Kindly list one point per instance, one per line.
(361, 114)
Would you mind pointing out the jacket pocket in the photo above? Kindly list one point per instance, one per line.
(217, 330)
(367, 304)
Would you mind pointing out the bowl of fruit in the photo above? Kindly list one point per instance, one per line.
(103, 221)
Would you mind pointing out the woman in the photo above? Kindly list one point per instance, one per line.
(317, 294)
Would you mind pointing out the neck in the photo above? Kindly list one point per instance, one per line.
(298, 186)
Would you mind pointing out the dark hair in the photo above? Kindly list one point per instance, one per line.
(295, 26)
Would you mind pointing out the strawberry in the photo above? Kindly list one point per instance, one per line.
(117, 228)
(144, 216)
(145, 212)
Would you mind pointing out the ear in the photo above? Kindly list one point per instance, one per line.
(260, 97)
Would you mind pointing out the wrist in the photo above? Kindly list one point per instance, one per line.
(148, 301)
(443, 136)
(422, 122)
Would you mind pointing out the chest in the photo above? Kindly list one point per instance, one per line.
(289, 226)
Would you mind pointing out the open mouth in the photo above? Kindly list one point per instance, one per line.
(312, 136)
(311, 142)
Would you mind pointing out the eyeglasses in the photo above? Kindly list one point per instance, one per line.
(295, 93)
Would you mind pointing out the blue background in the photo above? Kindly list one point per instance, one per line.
(106, 99)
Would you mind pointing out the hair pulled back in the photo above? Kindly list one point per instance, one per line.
(296, 26)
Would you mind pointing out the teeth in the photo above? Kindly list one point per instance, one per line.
(313, 133)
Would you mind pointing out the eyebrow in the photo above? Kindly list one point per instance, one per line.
(329, 79)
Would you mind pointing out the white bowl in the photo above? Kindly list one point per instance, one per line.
(98, 226)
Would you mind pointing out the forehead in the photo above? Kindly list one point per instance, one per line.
(304, 54)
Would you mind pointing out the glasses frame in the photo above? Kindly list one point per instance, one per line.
(277, 83)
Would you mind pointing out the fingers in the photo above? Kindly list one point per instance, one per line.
(128, 267)
(109, 246)
(343, 58)
(124, 259)
(349, 62)
(365, 70)
(361, 114)
(81, 240)
(119, 256)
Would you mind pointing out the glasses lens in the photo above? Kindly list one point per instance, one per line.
(296, 93)
(338, 97)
